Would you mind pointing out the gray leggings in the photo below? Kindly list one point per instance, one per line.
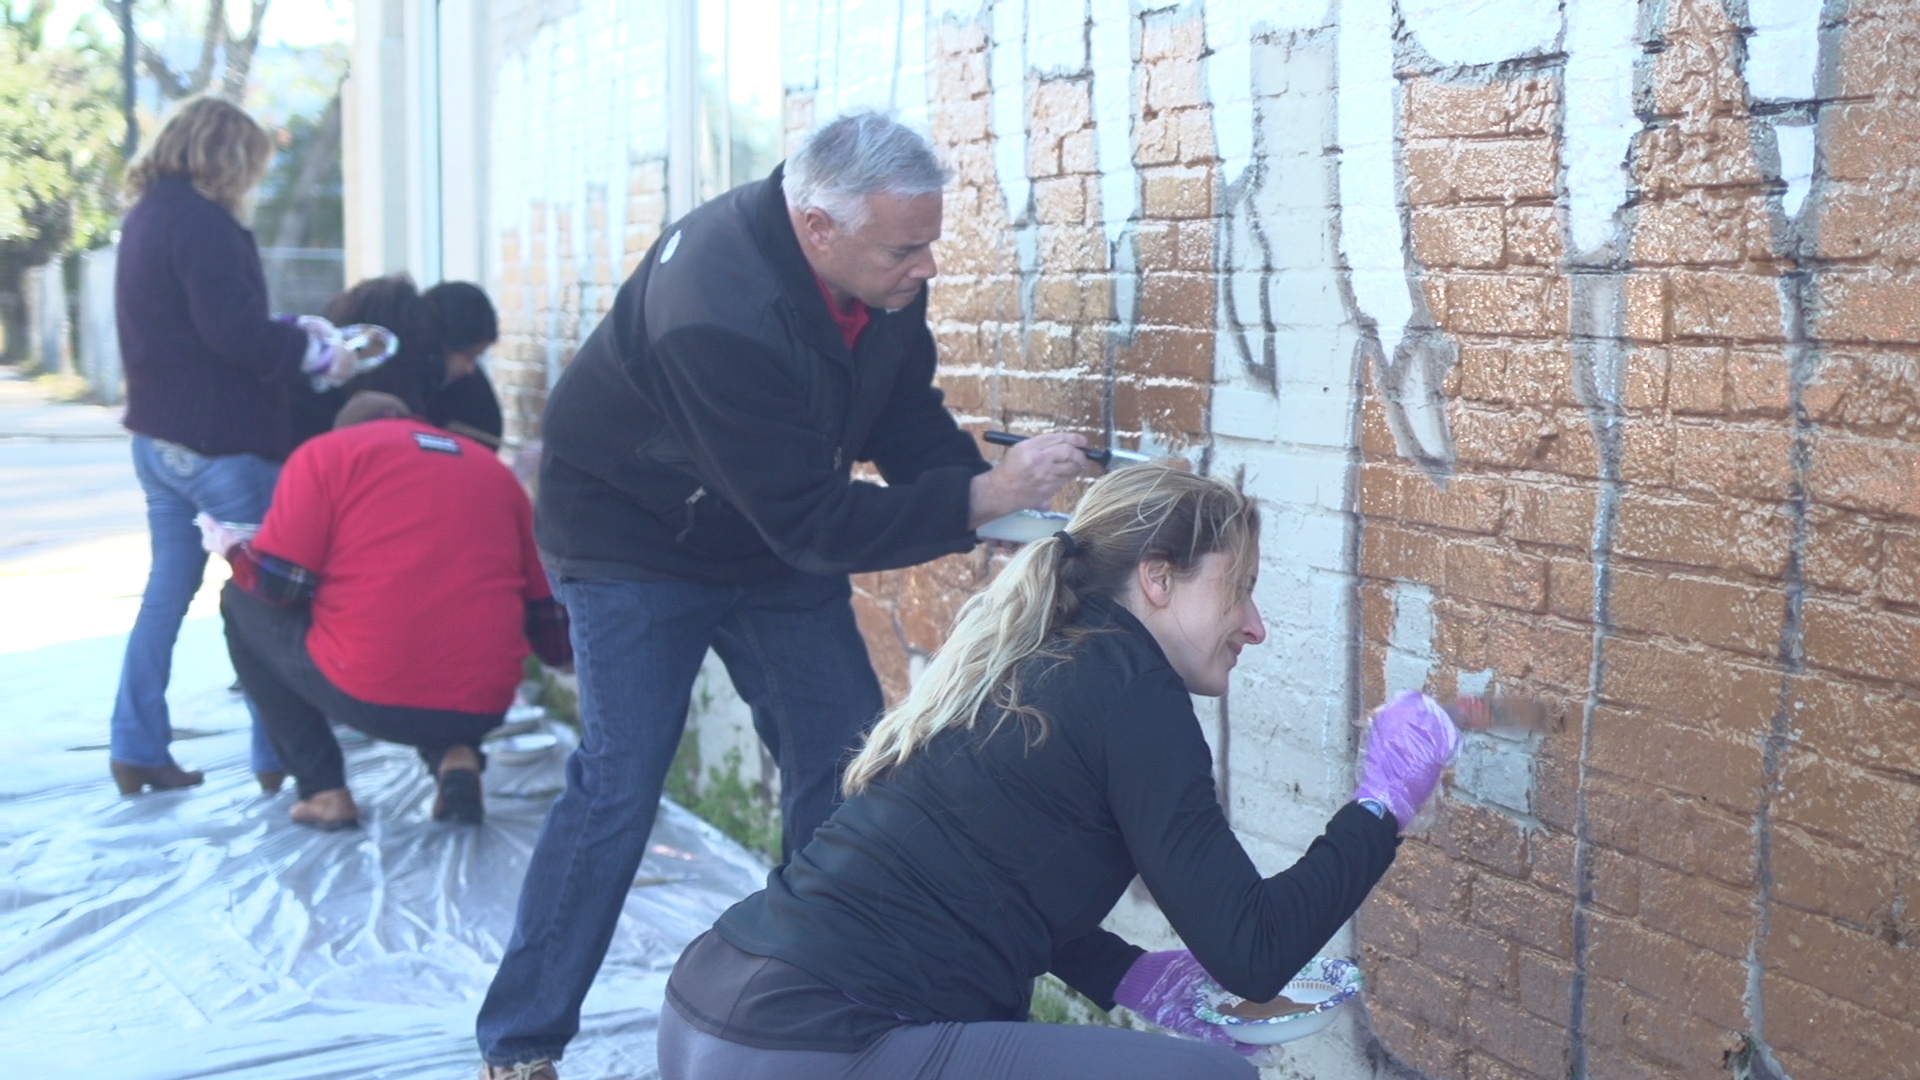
(987, 1051)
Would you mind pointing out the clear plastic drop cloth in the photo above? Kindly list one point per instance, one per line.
(200, 933)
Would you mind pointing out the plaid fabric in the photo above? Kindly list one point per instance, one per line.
(547, 632)
(272, 578)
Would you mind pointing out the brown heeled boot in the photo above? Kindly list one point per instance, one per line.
(132, 778)
(330, 809)
(271, 782)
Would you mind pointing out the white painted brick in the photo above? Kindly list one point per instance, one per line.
(1245, 414)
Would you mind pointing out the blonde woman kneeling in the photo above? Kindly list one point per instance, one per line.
(1048, 755)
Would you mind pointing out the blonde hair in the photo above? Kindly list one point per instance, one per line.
(1138, 514)
(213, 145)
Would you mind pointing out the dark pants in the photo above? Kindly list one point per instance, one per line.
(986, 1051)
(795, 655)
(268, 645)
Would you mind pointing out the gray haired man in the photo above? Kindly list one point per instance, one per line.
(696, 492)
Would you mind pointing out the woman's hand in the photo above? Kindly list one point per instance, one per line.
(1409, 744)
(1163, 987)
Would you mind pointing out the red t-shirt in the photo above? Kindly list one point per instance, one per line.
(851, 321)
(423, 543)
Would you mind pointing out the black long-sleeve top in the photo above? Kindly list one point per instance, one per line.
(207, 367)
(944, 888)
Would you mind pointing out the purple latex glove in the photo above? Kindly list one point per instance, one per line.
(1410, 742)
(1163, 986)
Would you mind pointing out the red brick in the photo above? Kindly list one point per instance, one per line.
(1463, 236)
(1616, 880)
(1435, 1055)
(1534, 237)
(1513, 1035)
(1532, 648)
(1866, 307)
(1697, 382)
(1695, 609)
(1517, 911)
(1552, 514)
(1646, 452)
(1844, 553)
(1176, 192)
(1172, 352)
(1699, 911)
(1483, 959)
(1426, 878)
(1621, 1019)
(1862, 640)
(1402, 554)
(1437, 1001)
(1803, 1020)
(1518, 304)
(1874, 475)
(1749, 462)
(1757, 381)
(1570, 588)
(1680, 757)
(1436, 108)
(1845, 963)
(1716, 304)
(1833, 877)
(1702, 534)
(1467, 503)
(1507, 170)
(1864, 806)
(1546, 986)
(1646, 385)
(1176, 300)
(1482, 837)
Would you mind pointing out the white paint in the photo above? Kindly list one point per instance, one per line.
(1110, 42)
(1007, 72)
(1782, 67)
(1057, 37)
(1475, 32)
(1371, 239)
(1783, 52)
(1409, 656)
(1602, 47)
(1796, 145)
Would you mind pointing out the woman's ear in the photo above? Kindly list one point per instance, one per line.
(1154, 578)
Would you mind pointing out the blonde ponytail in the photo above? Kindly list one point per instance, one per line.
(1143, 512)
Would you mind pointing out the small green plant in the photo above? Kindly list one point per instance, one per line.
(726, 801)
(1054, 1002)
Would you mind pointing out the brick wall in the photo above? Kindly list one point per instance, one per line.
(1570, 350)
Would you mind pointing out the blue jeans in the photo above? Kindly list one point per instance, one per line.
(795, 655)
(179, 484)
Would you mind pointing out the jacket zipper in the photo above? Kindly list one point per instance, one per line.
(698, 494)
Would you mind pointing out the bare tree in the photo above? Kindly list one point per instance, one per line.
(219, 47)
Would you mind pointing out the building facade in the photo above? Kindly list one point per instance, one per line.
(1570, 349)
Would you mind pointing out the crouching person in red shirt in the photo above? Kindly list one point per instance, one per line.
(394, 587)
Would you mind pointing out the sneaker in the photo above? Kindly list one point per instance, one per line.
(526, 1070)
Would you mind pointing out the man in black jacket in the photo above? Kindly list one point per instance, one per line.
(696, 492)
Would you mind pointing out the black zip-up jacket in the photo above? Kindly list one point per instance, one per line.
(991, 856)
(707, 429)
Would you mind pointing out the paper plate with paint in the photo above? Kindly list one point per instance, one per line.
(1305, 1005)
(1023, 526)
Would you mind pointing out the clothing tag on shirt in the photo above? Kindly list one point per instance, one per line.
(439, 444)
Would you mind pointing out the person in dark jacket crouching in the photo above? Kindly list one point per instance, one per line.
(696, 492)
(1047, 755)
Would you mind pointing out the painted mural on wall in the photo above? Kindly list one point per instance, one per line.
(1570, 348)
(1525, 320)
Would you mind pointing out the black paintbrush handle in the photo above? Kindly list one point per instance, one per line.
(1008, 438)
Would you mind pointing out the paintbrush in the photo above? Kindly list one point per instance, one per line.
(1501, 714)
(1110, 458)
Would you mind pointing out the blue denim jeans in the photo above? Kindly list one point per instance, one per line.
(796, 657)
(179, 484)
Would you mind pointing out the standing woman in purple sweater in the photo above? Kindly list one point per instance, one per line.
(207, 372)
